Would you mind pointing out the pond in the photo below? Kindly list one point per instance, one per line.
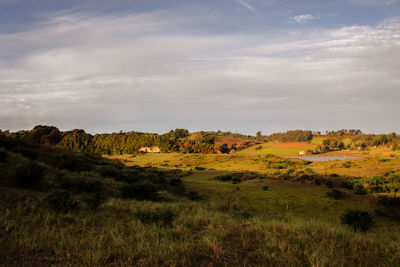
(316, 158)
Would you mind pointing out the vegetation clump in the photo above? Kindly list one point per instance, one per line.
(238, 177)
(336, 194)
(359, 189)
(29, 173)
(358, 220)
(143, 190)
(193, 195)
(162, 216)
(61, 201)
(388, 206)
(3, 155)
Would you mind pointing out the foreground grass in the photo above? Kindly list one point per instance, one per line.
(201, 234)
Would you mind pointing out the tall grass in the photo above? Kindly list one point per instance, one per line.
(201, 234)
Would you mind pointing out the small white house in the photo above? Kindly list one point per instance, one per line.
(153, 149)
(302, 153)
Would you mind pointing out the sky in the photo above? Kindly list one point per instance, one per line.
(231, 65)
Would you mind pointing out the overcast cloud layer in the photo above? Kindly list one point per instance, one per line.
(158, 70)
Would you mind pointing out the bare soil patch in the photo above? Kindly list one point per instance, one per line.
(290, 145)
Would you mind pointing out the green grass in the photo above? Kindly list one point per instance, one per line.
(267, 148)
(293, 223)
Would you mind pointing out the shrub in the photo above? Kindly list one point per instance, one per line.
(98, 196)
(329, 183)
(60, 201)
(347, 164)
(140, 190)
(193, 195)
(232, 207)
(160, 215)
(336, 194)
(348, 184)
(3, 155)
(259, 147)
(74, 163)
(389, 206)
(109, 171)
(265, 187)
(360, 190)
(29, 174)
(199, 168)
(358, 220)
(176, 185)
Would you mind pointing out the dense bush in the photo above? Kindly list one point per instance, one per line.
(388, 206)
(193, 195)
(358, 220)
(140, 190)
(238, 177)
(360, 190)
(61, 201)
(3, 155)
(162, 216)
(175, 185)
(97, 197)
(329, 183)
(348, 184)
(29, 173)
(110, 171)
(235, 209)
(265, 187)
(336, 194)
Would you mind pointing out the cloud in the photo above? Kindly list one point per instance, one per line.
(246, 5)
(305, 17)
(151, 72)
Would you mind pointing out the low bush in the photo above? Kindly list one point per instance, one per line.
(61, 201)
(388, 206)
(234, 209)
(348, 184)
(265, 187)
(29, 173)
(161, 216)
(175, 185)
(329, 183)
(360, 190)
(347, 164)
(336, 194)
(140, 190)
(3, 155)
(199, 168)
(358, 220)
(97, 197)
(193, 195)
(109, 171)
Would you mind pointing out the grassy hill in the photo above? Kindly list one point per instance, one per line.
(66, 209)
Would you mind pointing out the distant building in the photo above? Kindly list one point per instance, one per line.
(302, 153)
(153, 149)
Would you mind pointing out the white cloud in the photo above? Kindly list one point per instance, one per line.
(246, 5)
(305, 17)
(148, 72)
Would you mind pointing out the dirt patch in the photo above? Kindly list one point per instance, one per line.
(291, 145)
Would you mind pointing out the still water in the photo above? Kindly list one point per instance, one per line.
(316, 158)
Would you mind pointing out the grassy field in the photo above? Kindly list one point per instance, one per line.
(363, 167)
(280, 215)
(274, 149)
